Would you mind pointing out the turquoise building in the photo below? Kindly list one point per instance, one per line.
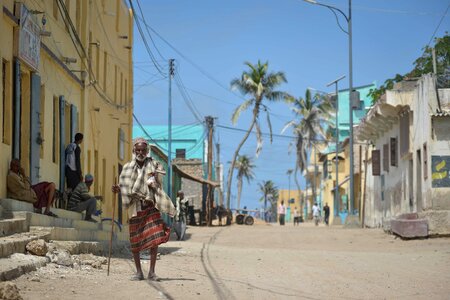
(188, 141)
(344, 116)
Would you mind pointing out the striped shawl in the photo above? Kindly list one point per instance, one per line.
(134, 189)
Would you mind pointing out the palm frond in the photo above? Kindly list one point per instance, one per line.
(237, 112)
(269, 124)
(259, 141)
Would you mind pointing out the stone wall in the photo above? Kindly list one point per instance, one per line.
(191, 189)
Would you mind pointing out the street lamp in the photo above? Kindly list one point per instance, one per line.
(352, 96)
(336, 191)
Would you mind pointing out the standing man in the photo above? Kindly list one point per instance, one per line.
(144, 199)
(316, 213)
(80, 199)
(326, 212)
(281, 212)
(73, 162)
(296, 221)
(180, 218)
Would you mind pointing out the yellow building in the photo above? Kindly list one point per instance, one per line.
(66, 68)
(285, 195)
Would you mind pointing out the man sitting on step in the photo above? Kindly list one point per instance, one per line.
(81, 200)
(19, 187)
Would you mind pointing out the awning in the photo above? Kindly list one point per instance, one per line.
(341, 183)
(195, 178)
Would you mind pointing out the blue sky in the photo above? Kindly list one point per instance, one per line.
(212, 40)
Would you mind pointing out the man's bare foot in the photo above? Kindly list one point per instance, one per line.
(153, 277)
(137, 277)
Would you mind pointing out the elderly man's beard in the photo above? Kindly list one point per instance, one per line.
(140, 157)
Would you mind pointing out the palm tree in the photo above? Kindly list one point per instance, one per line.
(245, 167)
(270, 193)
(312, 117)
(259, 84)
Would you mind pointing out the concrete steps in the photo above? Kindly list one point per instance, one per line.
(69, 226)
(19, 264)
(11, 226)
(409, 226)
(16, 243)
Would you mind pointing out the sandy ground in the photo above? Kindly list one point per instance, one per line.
(265, 262)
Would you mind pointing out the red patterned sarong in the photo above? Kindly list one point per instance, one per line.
(147, 230)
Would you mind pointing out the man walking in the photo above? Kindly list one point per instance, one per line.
(316, 213)
(180, 218)
(326, 212)
(144, 199)
(281, 212)
(73, 162)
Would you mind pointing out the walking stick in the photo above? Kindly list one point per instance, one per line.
(112, 226)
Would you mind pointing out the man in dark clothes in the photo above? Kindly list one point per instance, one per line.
(326, 210)
(73, 162)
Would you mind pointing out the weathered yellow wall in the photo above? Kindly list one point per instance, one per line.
(284, 195)
(103, 106)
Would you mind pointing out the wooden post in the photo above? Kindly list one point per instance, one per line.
(112, 226)
(209, 195)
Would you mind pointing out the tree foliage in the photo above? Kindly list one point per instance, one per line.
(422, 65)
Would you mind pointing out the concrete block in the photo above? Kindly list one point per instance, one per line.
(19, 264)
(74, 234)
(410, 228)
(16, 205)
(11, 226)
(408, 216)
(17, 242)
(78, 247)
(438, 221)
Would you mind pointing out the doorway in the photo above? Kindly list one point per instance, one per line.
(419, 181)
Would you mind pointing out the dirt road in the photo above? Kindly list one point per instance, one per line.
(265, 262)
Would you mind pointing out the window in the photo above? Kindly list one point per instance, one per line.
(105, 70)
(404, 133)
(6, 102)
(382, 187)
(41, 119)
(394, 152)
(376, 168)
(386, 157)
(126, 94)
(425, 161)
(121, 89)
(180, 153)
(115, 84)
(55, 142)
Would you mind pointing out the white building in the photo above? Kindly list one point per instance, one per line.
(409, 171)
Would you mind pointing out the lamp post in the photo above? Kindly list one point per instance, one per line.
(350, 89)
(336, 192)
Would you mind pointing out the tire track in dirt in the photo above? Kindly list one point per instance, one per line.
(223, 293)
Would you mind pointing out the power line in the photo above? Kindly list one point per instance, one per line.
(147, 47)
(440, 22)
(146, 27)
(206, 74)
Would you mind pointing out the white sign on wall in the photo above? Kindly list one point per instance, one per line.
(29, 37)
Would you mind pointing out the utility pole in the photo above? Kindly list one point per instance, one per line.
(169, 146)
(209, 199)
(218, 173)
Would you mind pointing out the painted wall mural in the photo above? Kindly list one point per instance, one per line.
(440, 170)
